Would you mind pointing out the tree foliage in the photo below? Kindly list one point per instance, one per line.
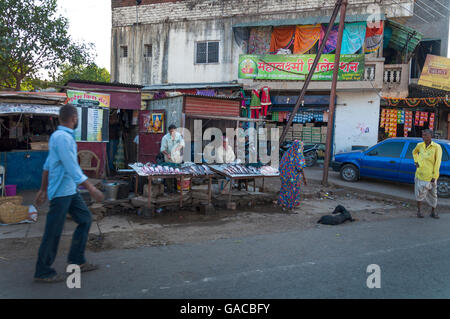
(89, 72)
(34, 38)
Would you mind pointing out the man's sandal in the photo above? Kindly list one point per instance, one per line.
(88, 267)
(53, 279)
(419, 215)
(434, 215)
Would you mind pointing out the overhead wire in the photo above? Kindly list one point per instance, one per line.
(399, 4)
(428, 6)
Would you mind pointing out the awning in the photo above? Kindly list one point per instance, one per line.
(187, 86)
(403, 37)
(228, 118)
(304, 21)
(50, 110)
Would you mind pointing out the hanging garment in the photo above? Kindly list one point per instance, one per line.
(330, 46)
(119, 159)
(306, 36)
(259, 40)
(353, 37)
(282, 38)
(374, 38)
(255, 104)
(291, 166)
(265, 99)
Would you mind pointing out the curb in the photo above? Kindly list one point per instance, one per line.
(373, 193)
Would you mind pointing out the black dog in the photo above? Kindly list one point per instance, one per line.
(343, 216)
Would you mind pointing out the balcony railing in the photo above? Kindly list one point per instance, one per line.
(395, 80)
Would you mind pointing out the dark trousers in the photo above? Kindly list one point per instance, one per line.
(59, 207)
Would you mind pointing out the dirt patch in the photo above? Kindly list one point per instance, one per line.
(181, 226)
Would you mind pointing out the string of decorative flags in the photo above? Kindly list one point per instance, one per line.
(414, 102)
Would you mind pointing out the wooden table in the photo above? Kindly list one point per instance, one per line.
(181, 177)
(241, 177)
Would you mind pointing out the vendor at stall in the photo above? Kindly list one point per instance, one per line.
(225, 153)
(171, 146)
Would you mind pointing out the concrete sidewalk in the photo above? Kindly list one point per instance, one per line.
(399, 191)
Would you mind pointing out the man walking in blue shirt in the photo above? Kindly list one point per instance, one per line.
(60, 179)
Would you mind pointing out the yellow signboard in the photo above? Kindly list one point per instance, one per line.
(88, 98)
(436, 73)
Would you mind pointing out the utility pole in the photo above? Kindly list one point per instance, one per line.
(312, 70)
(337, 59)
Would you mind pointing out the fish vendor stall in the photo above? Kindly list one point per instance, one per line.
(170, 170)
(27, 120)
(236, 172)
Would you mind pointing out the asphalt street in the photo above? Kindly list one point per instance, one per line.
(322, 262)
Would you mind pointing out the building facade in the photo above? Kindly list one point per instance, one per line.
(201, 41)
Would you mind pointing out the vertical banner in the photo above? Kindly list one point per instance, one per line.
(93, 115)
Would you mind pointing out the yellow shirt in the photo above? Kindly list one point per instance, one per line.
(429, 160)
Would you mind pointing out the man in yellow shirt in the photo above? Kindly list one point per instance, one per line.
(427, 157)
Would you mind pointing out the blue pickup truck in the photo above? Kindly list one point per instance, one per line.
(392, 160)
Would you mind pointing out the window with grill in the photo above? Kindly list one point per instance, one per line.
(123, 51)
(147, 50)
(207, 52)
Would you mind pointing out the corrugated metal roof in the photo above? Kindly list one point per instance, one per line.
(403, 36)
(128, 85)
(303, 21)
(221, 107)
(182, 86)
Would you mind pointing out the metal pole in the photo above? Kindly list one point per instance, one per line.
(337, 59)
(311, 72)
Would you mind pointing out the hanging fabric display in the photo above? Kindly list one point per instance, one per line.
(353, 37)
(259, 40)
(393, 102)
(330, 46)
(265, 100)
(306, 36)
(282, 38)
(374, 38)
(255, 104)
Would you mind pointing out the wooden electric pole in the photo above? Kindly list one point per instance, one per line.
(313, 68)
(332, 108)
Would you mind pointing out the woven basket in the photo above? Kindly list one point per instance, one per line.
(17, 200)
(11, 213)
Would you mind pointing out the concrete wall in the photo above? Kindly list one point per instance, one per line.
(437, 25)
(357, 119)
(173, 27)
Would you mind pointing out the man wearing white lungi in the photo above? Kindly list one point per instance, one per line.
(427, 158)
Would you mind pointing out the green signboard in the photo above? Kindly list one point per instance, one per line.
(297, 67)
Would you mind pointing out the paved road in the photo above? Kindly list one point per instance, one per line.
(324, 262)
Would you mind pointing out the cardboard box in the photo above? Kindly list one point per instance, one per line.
(316, 130)
(307, 129)
(309, 124)
(324, 129)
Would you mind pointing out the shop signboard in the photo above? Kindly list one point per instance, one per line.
(297, 67)
(93, 115)
(436, 73)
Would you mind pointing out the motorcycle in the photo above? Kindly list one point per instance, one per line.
(309, 152)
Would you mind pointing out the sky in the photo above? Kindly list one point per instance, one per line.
(90, 21)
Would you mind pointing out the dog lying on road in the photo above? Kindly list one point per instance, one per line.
(343, 215)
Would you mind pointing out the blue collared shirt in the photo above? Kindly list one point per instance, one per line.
(64, 173)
